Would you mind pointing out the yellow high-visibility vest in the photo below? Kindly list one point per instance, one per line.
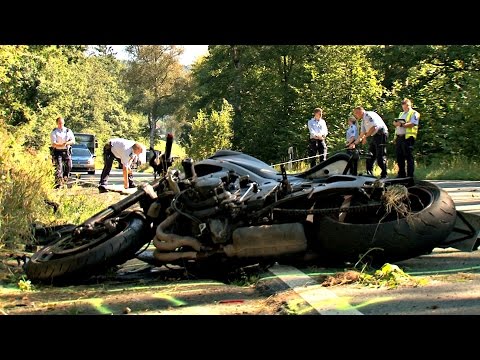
(410, 131)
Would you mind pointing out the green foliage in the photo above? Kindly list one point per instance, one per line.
(274, 89)
(18, 82)
(26, 177)
(390, 276)
(211, 132)
(24, 284)
(443, 82)
(155, 80)
(40, 83)
(246, 280)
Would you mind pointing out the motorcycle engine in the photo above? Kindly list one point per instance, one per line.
(208, 186)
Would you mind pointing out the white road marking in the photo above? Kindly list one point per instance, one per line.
(326, 302)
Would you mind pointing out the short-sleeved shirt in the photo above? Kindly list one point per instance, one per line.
(370, 119)
(123, 149)
(317, 127)
(352, 131)
(60, 136)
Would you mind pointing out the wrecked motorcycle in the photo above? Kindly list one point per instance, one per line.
(233, 210)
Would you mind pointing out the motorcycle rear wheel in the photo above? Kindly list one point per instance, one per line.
(391, 239)
(66, 261)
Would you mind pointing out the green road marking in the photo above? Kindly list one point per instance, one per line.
(95, 302)
(433, 272)
(98, 305)
(175, 302)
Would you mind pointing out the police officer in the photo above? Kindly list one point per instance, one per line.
(351, 136)
(125, 150)
(61, 140)
(373, 128)
(406, 129)
(317, 128)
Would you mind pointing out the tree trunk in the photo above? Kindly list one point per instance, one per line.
(152, 124)
(237, 104)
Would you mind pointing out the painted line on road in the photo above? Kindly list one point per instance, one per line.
(446, 271)
(324, 301)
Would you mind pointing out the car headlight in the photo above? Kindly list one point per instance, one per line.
(90, 162)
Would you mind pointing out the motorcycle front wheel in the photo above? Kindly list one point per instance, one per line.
(376, 236)
(72, 258)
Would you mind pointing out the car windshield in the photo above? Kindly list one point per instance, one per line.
(81, 152)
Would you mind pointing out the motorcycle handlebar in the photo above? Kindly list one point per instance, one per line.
(168, 147)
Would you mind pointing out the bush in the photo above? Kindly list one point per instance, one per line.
(26, 178)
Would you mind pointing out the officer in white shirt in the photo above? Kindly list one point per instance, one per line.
(125, 150)
(373, 128)
(317, 128)
(61, 139)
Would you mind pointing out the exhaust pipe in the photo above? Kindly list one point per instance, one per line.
(169, 242)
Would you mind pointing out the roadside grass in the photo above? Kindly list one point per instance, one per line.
(77, 204)
(26, 178)
(27, 196)
(453, 168)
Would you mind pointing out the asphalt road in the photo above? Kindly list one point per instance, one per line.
(115, 178)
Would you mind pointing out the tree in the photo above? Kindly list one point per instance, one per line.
(211, 132)
(274, 90)
(153, 77)
(443, 82)
(18, 84)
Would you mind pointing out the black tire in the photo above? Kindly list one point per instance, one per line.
(432, 221)
(79, 264)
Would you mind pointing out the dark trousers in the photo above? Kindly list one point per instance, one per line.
(352, 165)
(63, 163)
(377, 146)
(314, 147)
(404, 150)
(108, 158)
